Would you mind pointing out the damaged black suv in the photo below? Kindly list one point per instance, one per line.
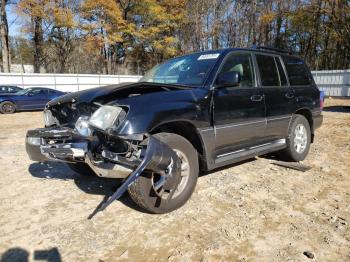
(193, 113)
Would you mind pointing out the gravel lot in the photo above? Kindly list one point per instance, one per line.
(252, 211)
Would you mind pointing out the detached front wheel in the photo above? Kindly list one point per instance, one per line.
(155, 200)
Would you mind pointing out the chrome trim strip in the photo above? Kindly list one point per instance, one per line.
(253, 147)
(278, 118)
(244, 123)
(230, 153)
(276, 142)
(228, 126)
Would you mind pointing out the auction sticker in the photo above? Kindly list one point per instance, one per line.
(208, 56)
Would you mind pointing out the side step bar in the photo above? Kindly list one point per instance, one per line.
(245, 153)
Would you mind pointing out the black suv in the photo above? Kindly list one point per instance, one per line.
(192, 113)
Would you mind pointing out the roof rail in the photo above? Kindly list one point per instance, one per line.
(273, 49)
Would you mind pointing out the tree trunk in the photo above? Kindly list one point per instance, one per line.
(38, 43)
(4, 38)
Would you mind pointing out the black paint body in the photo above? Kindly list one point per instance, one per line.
(216, 120)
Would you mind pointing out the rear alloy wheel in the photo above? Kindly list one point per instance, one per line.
(177, 190)
(7, 107)
(299, 139)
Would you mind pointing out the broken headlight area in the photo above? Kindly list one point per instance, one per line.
(105, 117)
(108, 156)
(82, 126)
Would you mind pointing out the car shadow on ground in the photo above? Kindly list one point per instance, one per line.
(89, 184)
(21, 255)
(337, 109)
(96, 185)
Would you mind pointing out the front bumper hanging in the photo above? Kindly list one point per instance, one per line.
(63, 144)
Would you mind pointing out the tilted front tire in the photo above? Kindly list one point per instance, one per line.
(142, 191)
(298, 140)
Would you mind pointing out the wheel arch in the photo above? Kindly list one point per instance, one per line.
(188, 131)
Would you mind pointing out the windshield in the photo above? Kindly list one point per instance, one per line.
(23, 92)
(186, 70)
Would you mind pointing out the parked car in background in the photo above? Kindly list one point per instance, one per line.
(193, 113)
(33, 98)
(9, 89)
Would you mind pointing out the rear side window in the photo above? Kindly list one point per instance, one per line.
(297, 71)
(268, 70)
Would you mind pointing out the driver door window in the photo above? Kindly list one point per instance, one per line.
(242, 64)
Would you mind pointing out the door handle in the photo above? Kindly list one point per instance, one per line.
(289, 95)
(257, 98)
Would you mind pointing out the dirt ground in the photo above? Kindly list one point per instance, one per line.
(252, 211)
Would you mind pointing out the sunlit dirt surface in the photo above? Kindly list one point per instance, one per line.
(252, 211)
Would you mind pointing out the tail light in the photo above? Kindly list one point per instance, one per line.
(321, 99)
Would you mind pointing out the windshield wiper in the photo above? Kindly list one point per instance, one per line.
(165, 85)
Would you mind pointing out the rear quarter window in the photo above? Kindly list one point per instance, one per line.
(298, 73)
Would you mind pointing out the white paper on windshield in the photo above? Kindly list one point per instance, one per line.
(208, 56)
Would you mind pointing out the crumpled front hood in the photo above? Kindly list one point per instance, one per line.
(105, 94)
(88, 95)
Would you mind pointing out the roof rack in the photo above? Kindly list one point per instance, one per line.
(273, 49)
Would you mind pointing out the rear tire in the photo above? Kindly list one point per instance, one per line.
(298, 140)
(7, 107)
(142, 191)
(81, 169)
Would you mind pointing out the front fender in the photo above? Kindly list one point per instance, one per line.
(145, 120)
(150, 110)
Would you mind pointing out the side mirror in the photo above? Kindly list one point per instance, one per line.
(227, 79)
(30, 94)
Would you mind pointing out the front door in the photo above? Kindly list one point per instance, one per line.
(239, 111)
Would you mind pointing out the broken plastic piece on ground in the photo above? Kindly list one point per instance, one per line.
(159, 158)
(292, 165)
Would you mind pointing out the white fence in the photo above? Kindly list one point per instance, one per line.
(333, 83)
(64, 82)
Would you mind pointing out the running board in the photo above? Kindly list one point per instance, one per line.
(245, 153)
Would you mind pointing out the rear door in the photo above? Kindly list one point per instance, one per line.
(239, 111)
(35, 99)
(305, 90)
(279, 97)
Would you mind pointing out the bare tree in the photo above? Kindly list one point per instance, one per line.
(4, 37)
